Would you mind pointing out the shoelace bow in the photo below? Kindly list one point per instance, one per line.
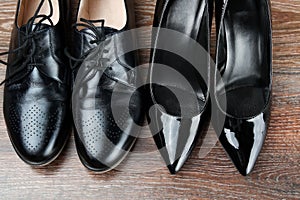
(29, 45)
(99, 36)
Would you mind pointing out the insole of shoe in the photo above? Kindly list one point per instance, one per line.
(112, 11)
(246, 70)
(29, 7)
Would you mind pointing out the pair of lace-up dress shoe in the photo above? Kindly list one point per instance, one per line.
(52, 67)
(45, 56)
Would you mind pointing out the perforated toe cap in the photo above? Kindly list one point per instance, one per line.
(37, 130)
(101, 143)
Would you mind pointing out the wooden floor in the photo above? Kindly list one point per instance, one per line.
(208, 174)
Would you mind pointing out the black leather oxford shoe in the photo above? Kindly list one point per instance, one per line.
(178, 78)
(106, 105)
(36, 93)
(244, 60)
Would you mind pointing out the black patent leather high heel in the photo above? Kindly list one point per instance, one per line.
(244, 60)
(177, 125)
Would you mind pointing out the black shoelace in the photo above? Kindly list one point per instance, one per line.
(29, 47)
(99, 37)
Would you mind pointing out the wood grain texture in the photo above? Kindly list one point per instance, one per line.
(208, 174)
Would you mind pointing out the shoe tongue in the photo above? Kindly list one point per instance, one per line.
(40, 27)
(87, 35)
(105, 30)
(84, 37)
